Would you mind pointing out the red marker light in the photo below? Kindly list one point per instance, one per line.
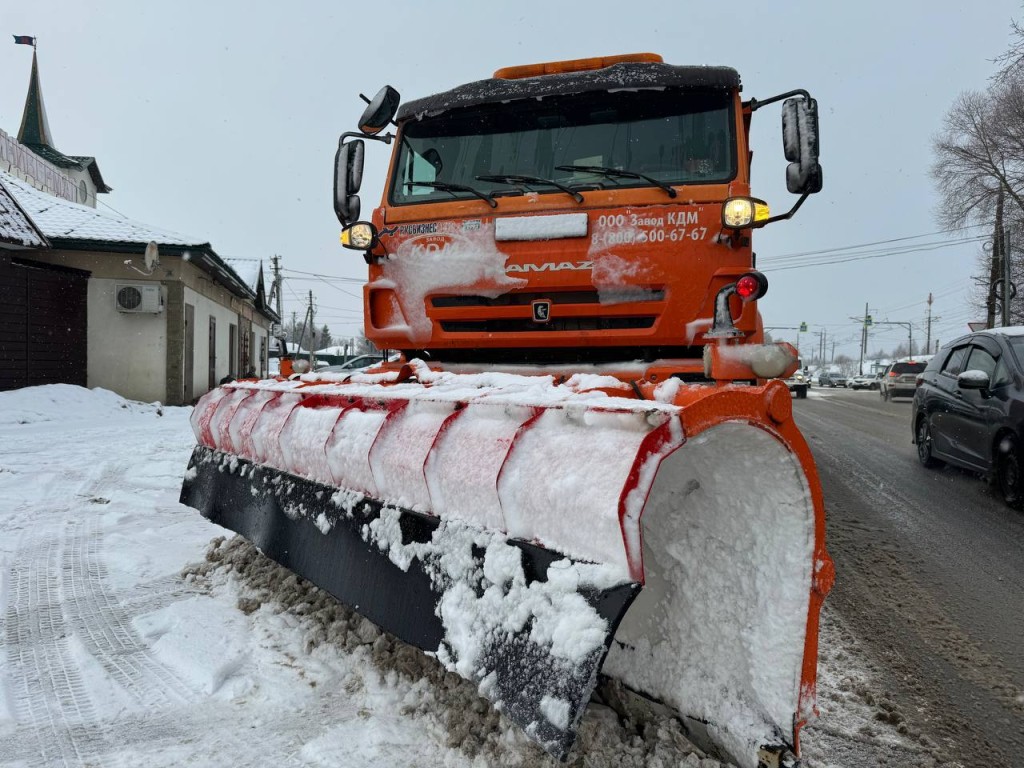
(751, 286)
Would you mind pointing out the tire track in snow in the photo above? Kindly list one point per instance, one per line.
(57, 592)
(63, 589)
(105, 627)
(59, 724)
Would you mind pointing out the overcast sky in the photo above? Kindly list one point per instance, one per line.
(220, 120)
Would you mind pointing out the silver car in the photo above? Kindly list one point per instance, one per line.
(900, 379)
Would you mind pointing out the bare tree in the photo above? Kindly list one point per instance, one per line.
(979, 169)
(1012, 60)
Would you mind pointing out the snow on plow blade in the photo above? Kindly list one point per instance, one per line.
(531, 535)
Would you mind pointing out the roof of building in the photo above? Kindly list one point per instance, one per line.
(77, 227)
(250, 270)
(16, 228)
(62, 219)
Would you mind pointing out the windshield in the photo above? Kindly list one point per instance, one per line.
(670, 136)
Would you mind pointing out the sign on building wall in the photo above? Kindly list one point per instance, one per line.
(20, 161)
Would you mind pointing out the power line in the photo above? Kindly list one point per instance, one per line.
(862, 257)
(327, 277)
(877, 242)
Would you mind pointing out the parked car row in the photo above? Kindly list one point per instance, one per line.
(969, 408)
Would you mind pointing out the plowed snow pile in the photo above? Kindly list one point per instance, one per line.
(444, 703)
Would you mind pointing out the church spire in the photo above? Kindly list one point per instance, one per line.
(35, 129)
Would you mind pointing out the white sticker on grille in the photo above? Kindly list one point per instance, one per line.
(541, 227)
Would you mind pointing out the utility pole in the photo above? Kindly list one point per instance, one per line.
(928, 343)
(996, 264)
(275, 300)
(309, 320)
(1008, 288)
(863, 339)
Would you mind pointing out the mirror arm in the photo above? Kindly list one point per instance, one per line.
(386, 138)
(791, 211)
(754, 104)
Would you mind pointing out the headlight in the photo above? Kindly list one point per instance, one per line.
(742, 212)
(360, 236)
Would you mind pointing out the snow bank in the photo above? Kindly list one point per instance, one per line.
(66, 403)
(410, 709)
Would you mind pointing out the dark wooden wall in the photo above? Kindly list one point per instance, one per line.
(43, 324)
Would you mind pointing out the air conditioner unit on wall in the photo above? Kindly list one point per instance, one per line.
(138, 297)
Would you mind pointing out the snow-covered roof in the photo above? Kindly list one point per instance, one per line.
(71, 225)
(247, 269)
(61, 219)
(15, 227)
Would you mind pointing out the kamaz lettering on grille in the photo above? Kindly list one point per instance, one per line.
(550, 266)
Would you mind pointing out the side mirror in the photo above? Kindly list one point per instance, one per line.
(348, 175)
(380, 111)
(973, 380)
(800, 143)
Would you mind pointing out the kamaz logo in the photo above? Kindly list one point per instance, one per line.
(550, 266)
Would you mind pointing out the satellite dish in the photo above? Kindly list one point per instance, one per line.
(152, 257)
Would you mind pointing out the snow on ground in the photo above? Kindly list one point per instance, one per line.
(128, 638)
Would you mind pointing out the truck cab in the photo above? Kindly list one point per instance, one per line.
(596, 211)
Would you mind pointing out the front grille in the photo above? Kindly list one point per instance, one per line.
(554, 325)
(555, 297)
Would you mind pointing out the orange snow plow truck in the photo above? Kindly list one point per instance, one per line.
(580, 460)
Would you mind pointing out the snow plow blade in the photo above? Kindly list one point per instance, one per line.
(533, 535)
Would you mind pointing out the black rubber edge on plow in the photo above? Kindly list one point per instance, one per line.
(252, 500)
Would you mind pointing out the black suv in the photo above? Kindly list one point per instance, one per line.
(969, 408)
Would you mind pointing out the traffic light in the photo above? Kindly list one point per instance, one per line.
(867, 319)
(803, 327)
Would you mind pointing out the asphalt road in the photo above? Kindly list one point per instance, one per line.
(930, 577)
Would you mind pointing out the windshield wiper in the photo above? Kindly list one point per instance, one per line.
(616, 173)
(515, 178)
(453, 188)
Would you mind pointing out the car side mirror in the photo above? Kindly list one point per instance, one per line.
(800, 143)
(973, 380)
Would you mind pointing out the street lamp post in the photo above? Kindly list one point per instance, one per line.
(910, 333)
